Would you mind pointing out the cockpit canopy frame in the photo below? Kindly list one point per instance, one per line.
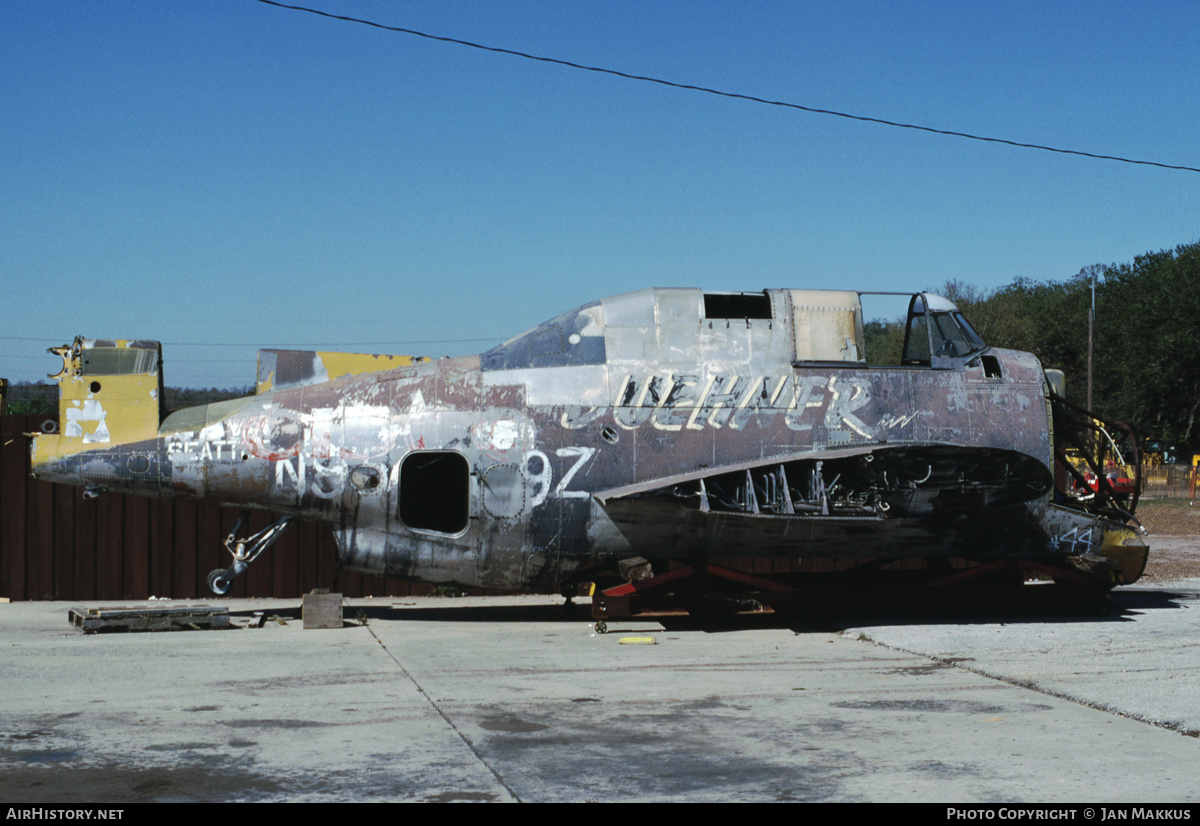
(936, 333)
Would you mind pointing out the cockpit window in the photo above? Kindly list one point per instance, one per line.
(947, 337)
(944, 329)
(969, 333)
(916, 341)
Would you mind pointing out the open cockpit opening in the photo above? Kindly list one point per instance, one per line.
(737, 305)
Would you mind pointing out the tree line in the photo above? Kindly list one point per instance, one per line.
(1146, 348)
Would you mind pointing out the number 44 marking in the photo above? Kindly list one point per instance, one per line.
(539, 481)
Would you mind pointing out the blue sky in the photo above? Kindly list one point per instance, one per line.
(224, 176)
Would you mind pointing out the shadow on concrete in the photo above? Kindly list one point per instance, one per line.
(1123, 605)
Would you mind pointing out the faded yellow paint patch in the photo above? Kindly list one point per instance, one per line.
(355, 364)
(1123, 545)
(338, 365)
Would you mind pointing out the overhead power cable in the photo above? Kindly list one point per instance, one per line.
(304, 345)
(735, 95)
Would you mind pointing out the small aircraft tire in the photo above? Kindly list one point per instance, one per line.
(218, 583)
(601, 627)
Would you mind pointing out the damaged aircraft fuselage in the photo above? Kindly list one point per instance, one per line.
(663, 424)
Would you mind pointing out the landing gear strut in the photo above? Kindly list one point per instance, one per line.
(244, 551)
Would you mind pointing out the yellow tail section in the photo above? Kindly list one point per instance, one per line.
(110, 392)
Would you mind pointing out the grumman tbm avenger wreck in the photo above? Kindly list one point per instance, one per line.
(659, 431)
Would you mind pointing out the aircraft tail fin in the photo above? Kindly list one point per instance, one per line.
(110, 392)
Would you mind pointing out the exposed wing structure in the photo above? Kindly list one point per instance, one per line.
(912, 500)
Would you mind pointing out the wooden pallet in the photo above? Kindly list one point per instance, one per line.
(149, 618)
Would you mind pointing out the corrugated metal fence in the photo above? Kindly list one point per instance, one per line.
(54, 544)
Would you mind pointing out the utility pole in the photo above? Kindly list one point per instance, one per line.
(1091, 325)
